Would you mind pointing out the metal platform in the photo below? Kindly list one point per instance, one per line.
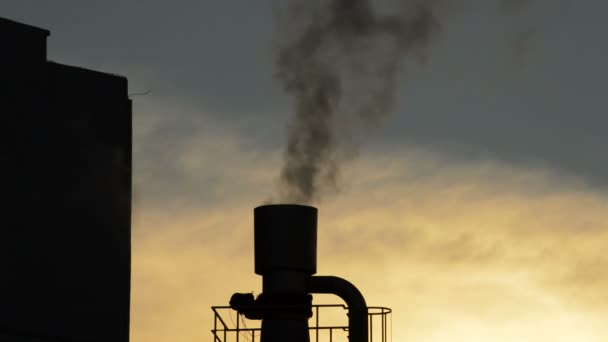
(329, 323)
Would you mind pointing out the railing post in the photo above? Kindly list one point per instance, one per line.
(371, 328)
(383, 326)
(215, 338)
(237, 326)
(317, 323)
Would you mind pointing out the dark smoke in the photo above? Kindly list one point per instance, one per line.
(339, 60)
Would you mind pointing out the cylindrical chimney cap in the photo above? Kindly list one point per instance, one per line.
(285, 238)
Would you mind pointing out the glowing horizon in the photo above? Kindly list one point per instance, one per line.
(461, 251)
(477, 212)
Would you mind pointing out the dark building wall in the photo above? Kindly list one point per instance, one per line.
(65, 231)
(23, 42)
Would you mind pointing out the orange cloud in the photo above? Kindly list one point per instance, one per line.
(462, 251)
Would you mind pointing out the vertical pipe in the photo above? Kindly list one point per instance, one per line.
(357, 308)
(285, 249)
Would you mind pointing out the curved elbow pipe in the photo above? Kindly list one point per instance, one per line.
(357, 308)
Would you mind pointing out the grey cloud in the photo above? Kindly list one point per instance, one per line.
(216, 56)
(514, 6)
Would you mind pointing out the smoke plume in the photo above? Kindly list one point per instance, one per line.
(339, 60)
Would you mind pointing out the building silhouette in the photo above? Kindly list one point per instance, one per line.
(66, 188)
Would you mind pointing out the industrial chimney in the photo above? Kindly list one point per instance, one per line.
(286, 258)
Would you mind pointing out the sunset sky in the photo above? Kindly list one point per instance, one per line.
(477, 211)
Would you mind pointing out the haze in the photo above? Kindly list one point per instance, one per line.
(477, 211)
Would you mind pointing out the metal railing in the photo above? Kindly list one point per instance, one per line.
(229, 325)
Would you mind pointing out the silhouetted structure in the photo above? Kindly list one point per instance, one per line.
(66, 161)
(285, 246)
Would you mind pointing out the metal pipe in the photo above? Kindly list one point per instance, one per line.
(285, 249)
(357, 308)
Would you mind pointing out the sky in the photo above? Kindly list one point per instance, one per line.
(476, 210)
